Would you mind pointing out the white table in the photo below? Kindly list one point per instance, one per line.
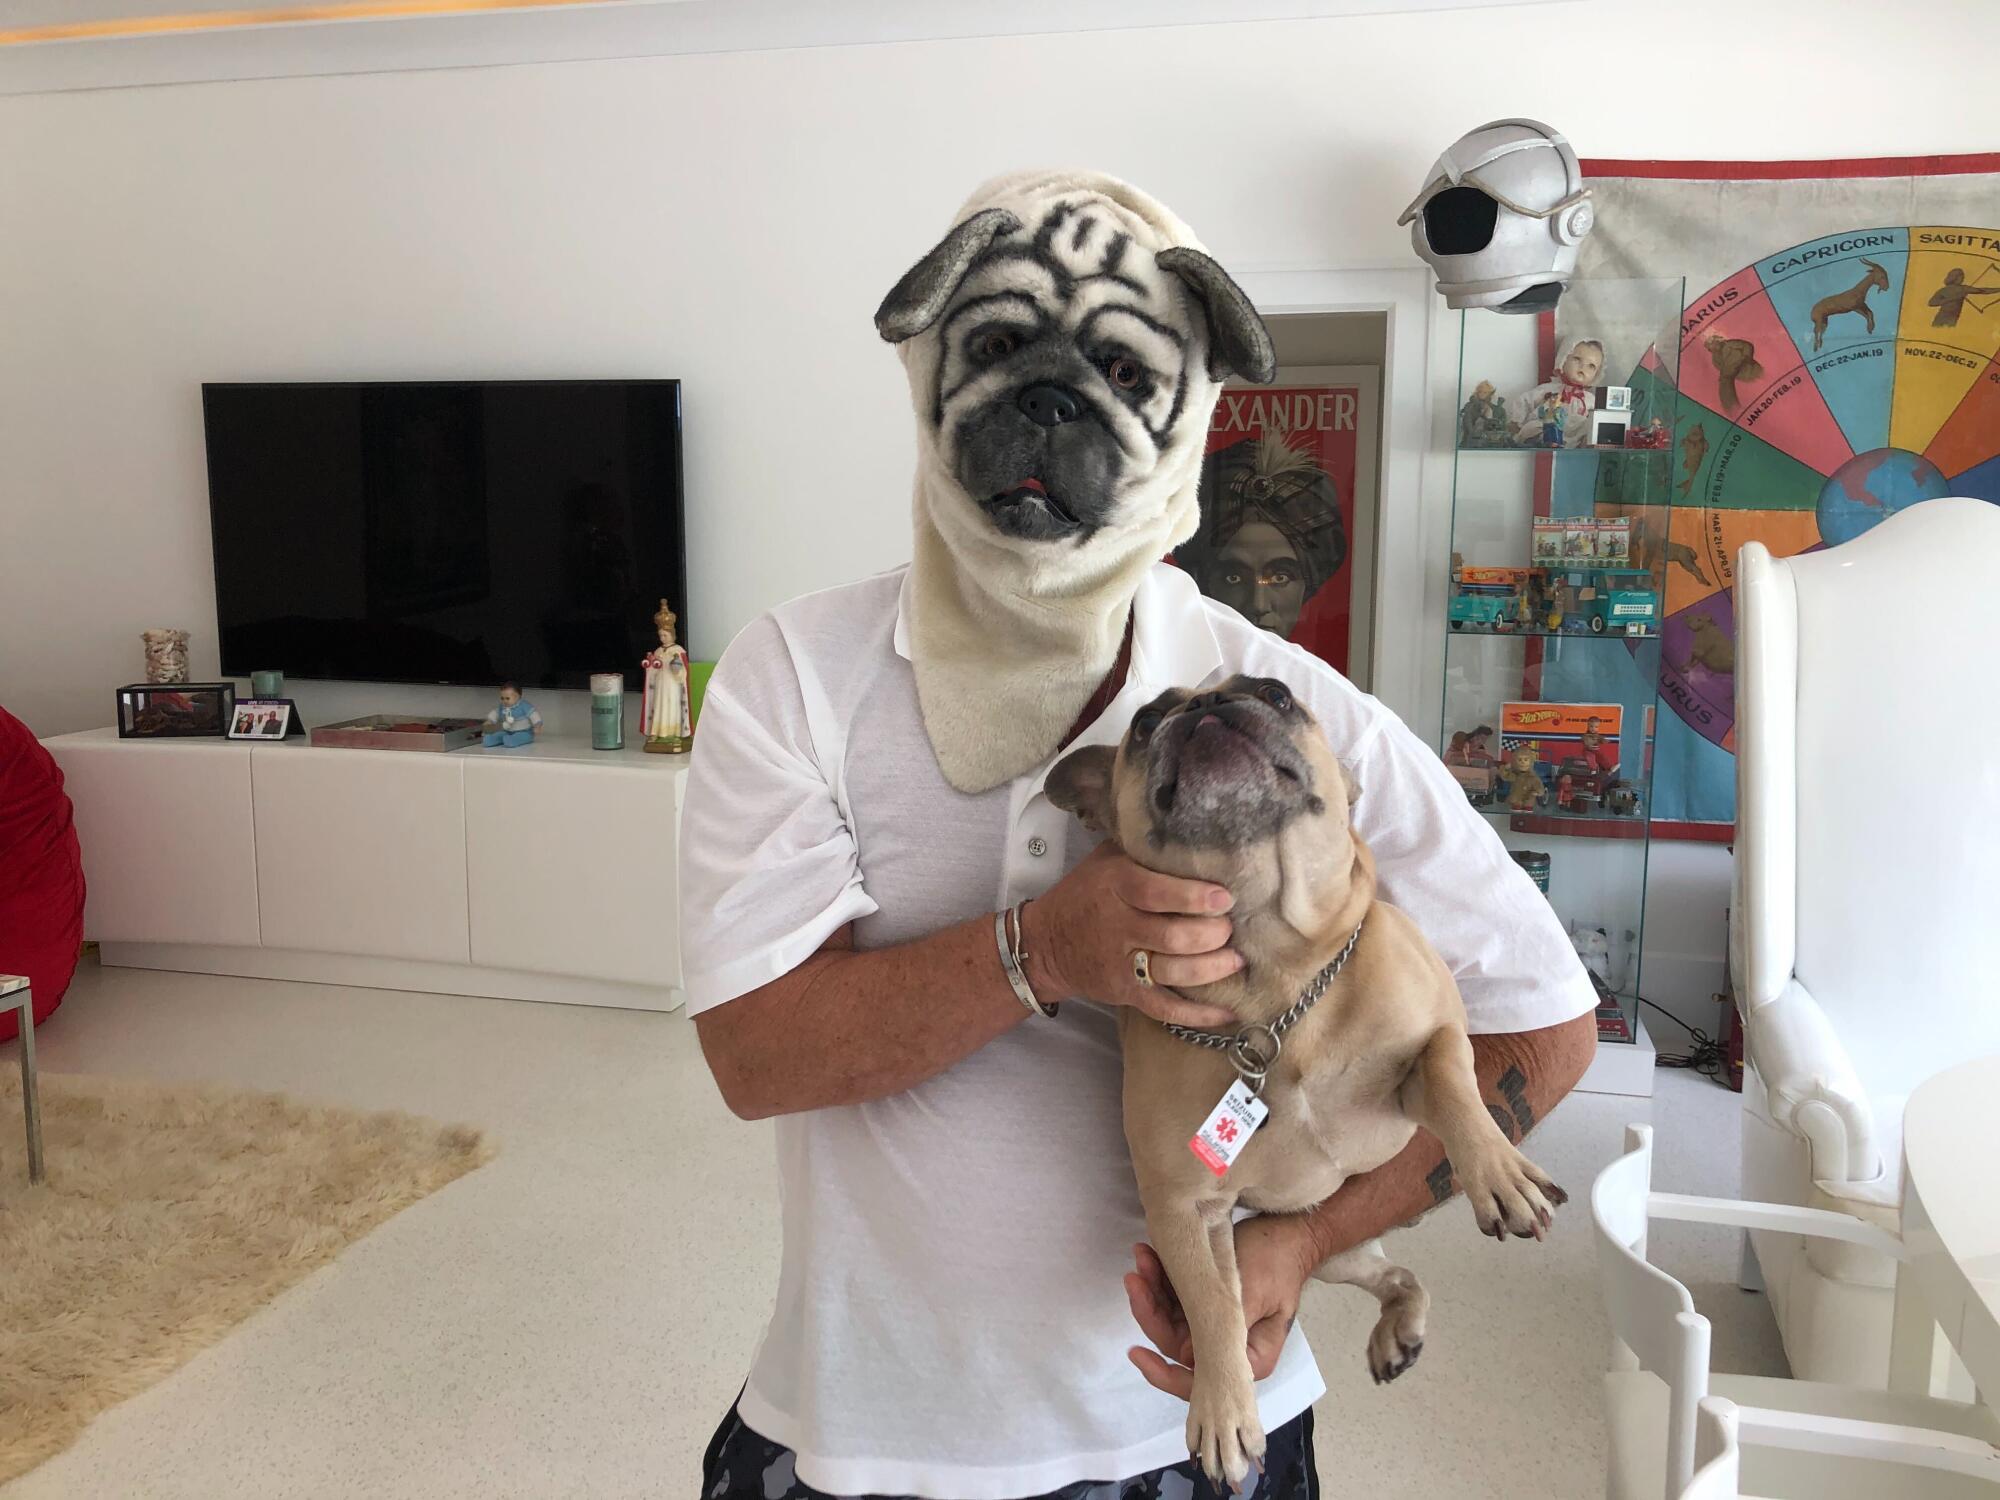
(15, 996)
(1951, 1228)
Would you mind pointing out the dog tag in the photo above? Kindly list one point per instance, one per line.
(1228, 1127)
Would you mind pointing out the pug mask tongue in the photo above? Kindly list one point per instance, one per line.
(1062, 374)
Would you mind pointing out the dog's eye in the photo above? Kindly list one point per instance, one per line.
(1124, 373)
(996, 343)
(1146, 723)
(1274, 694)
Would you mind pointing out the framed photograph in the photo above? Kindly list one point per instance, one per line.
(174, 710)
(264, 719)
(1287, 509)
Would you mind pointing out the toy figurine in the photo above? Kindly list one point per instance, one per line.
(1573, 386)
(1653, 435)
(1469, 747)
(1482, 423)
(1524, 786)
(1552, 421)
(1600, 752)
(665, 710)
(513, 722)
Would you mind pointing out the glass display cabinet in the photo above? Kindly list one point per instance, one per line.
(1563, 483)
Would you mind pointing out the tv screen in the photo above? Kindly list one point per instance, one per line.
(449, 533)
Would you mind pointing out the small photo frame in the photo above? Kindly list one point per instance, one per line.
(175, 710)
(264, 719)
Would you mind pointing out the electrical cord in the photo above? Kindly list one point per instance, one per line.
(1705, 1055)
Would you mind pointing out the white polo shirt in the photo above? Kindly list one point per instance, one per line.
(951, 1319)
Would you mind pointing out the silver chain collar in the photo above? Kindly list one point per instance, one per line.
(1246, 1055)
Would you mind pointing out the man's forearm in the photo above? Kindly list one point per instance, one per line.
(846, 1027)
(1522, 1076)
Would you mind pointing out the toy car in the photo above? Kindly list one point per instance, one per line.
(1486, 598)
(1494, 610)
(1580, 785)
(1621, 798)
(1621, 610)
(1481, 783)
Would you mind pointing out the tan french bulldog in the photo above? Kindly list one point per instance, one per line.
(1238, 786)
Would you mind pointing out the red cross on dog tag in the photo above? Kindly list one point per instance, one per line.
(1229, 1126)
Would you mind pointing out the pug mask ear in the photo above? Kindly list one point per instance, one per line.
(1238, 341)
(913, 303)
(1080, 783)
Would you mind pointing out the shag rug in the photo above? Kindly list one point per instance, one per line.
(170, 1214)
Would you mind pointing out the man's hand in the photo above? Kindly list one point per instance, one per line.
(1080, 938)
(1274, 1259)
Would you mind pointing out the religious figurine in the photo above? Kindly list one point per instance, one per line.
(1482, 423)
(514, 721)
(665, 707)
(166, 655)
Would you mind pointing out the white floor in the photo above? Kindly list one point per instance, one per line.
(572, 1319)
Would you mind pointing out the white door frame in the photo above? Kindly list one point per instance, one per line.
(1408, 663)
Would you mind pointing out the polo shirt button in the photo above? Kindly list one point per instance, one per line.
(1038, 846)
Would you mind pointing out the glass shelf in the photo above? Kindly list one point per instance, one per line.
(1513, 684)
(1466, 627)
(1593, 449)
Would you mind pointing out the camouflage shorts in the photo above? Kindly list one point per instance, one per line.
(741, 1465)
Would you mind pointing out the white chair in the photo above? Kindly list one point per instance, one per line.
(1808, 1438)
(1718, 1451)
(1867, 857)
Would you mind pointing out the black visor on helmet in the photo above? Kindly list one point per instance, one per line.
(1459, 221)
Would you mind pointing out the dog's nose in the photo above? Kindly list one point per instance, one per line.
(1048, 405)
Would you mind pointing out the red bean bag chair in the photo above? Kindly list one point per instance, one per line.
(41, 872)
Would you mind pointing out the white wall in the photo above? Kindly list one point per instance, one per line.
(733, 220)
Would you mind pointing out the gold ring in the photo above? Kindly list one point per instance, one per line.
(1142, 967)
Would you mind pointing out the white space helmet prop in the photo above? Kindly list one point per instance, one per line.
(1501, 216)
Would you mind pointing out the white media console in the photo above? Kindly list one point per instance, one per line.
(541, 873)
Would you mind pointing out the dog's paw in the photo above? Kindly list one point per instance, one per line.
(1225, 1435)
(1509, 1194)
(1389, 1353)
(1398, 1336)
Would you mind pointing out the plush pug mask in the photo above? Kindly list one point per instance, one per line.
(1065, 344)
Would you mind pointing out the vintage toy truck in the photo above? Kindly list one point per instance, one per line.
(1622, 603)
(1486, 598)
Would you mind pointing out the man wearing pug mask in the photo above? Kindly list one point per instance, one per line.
(868, 849)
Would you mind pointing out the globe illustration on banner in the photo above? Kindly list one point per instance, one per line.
(1873, 486)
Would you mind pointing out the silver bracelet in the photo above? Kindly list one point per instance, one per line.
(1014, 960)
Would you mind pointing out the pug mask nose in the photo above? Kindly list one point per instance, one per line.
(1049, 405)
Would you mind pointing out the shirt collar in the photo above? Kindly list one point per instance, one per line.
(1173, 644)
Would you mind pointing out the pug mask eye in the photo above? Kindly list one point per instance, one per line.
(995, 343)
(1274, 693)
(1125, 374)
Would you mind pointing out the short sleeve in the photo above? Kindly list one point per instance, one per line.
(1439, 860)
(769, 868)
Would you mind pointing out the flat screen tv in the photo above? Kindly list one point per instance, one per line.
(437, 532)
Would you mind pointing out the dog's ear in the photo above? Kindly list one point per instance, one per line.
(1081, 783)
(1238, 341)
(913, 303)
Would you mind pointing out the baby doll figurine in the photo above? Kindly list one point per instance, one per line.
(514, 721)
(1576, 375)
